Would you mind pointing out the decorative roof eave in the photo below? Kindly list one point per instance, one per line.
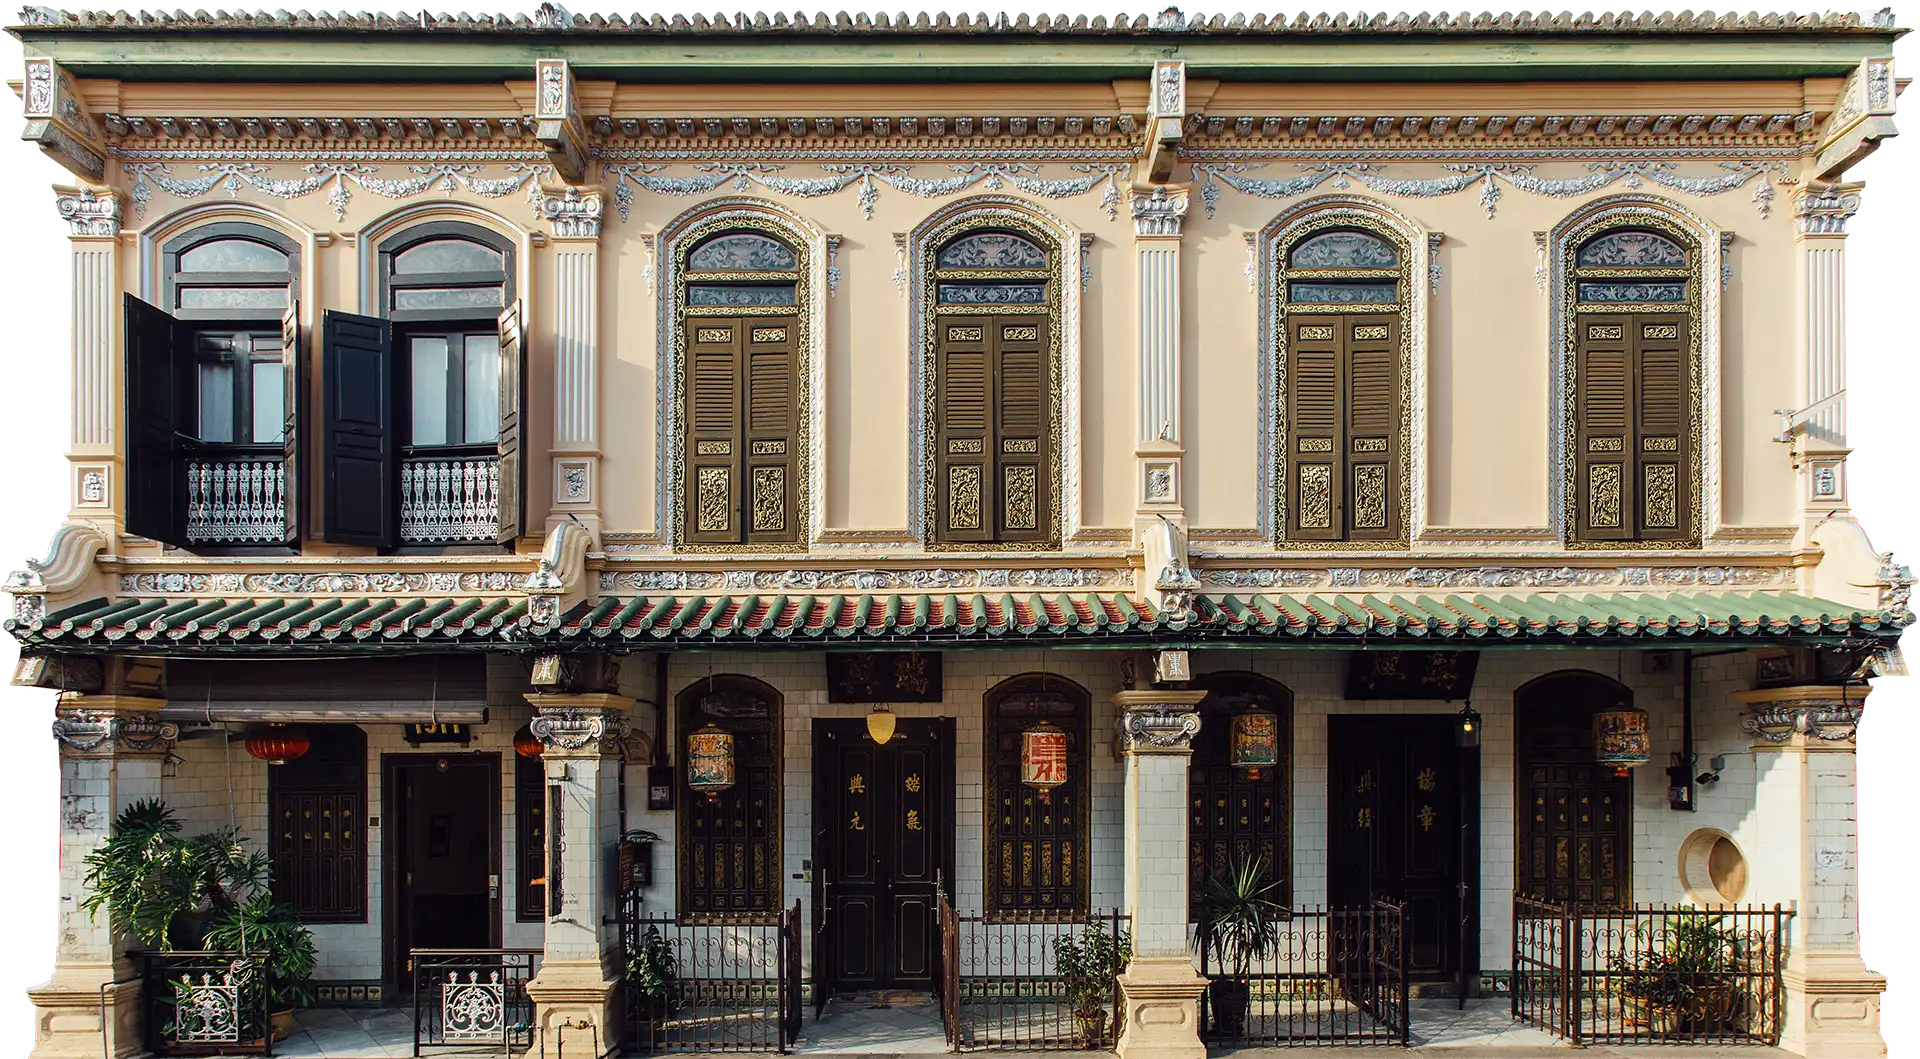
(166, 626)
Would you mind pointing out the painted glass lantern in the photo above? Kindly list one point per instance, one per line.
(1255, 742)
(710, 761)
(1043, 759)
(1620, 738)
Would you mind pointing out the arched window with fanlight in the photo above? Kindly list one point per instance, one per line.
(1342, 295)
(1633, 387)
(743, 389)
(995, 396)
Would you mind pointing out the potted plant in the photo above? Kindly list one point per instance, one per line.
(1241, 925)
(1087, 965)
(155, 884)
(271, 929)
(652, 969)
(1680, 983)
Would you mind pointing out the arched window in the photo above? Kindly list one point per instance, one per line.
(742, 328)
(444, 287)
(1342, 295)
(1576, 816)
(995, 396)
(1037, 848)
(1633, 386)
(729, 845)
(232, 283)
(1235, 815)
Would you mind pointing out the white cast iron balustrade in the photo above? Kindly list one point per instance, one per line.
(238, 500)
(449, 499)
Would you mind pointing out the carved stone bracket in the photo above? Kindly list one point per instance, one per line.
(92, 213)
(1166, 118)
(1821, 714)
(1158, 721)
(556, 119)
(57, 120)
(588, 724)
(103, 733)
(574, 212)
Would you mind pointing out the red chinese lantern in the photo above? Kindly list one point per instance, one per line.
(278, 744)
(1043, 759)
(526, 744)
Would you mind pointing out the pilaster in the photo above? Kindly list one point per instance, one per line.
(1821, 213)
(1158, 214)
(575, 214)
(576, 994)
(1160, 992)
(1804, 764)
(93, 219)
(112, 749)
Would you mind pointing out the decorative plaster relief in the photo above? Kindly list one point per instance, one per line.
(861, 580)
(298, 584)
(90, 211)
(90, 489)
(334, 178)
(866, 178)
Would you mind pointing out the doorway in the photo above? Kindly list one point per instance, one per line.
(442, 857)
(883, 847)
(1395, 797)
(1575, 826)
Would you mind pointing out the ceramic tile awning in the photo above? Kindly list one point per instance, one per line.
(162, 626)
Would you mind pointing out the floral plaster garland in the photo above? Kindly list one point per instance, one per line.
(1461, 177)
(334, 178)
(743, 176)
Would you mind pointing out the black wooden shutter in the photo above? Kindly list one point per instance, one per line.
(1662, 449)
(1603, 427)
(513, 395)
(293, 365)
(1316, 416)
(1022, 412)
(772, 416)
(158, 413)
(965, 435)
(360, 427)
(713, 430)
(1372, 501)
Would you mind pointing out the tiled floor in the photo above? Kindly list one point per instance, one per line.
(880, 1024)
(359, 1033)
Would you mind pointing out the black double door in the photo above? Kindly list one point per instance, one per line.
(883, 845)
(1396, 796)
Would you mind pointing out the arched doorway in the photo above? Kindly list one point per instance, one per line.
(1234, 814)
(1575, 824)
(729, 845)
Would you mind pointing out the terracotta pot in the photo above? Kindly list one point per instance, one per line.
(1093, 1026)
(282, 1024)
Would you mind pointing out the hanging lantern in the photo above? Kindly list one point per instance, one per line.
(526, 744)
(1043, 759)
(880, 725)
(1255, 742)
(1620, 738)
(278, 744)
(710, 761)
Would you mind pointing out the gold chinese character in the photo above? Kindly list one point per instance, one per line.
(913, 783)
(913, 819)
(857, 785)
(1424, 780)
(1366, 781)
(857, 825)
(1427, 817)
(1366, 818)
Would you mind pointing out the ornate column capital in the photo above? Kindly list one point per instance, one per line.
(1825, 209)
(585, 725)
(1158, 212)
(574, 212)
(90, 213)
(1819, 716)
(105, 726)
(1155, 721)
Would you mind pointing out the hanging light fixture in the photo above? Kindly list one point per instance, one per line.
(278, 744)
(526, 744)
(1621, 739)
(880, 725)
(1254, 743)
(1466, 727)
(710, 761)
(1043, 759)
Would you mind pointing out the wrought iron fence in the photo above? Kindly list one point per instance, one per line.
(206, 1003)
(240, 499)
(1001, 986)
(712, 984)
(1331, 976)
(1649, 975)
(472, 998)
(449, 499)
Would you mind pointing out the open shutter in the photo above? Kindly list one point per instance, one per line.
(513, 396)
(964, 440)
(1603, 427)
(772, 437)
(1372, 509)
(1021, 412)
(1316, 413)
(157, 415)
(1663, 447)
(360, 428)
(713, 429)
(293, 363)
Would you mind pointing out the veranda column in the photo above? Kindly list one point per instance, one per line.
(575, 214)
(111, 751)
(1160, 1002)
(1805, 771)
(576, 993)
(93, 218)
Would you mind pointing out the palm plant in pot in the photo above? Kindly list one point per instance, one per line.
(272, 929)
(1241, 918)
(1087, 965)
(652, 970)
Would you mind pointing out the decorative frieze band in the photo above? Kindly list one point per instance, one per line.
(104, 733)
(337, 180)
(867, 179)
(439, 582)
(1497, 577)
(864, 580)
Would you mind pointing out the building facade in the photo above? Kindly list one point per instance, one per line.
(567, 427)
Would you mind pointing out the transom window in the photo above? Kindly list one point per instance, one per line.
(232, 285)
(1343, 268)
(743, 269)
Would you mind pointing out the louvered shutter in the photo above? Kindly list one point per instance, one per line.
(964, 440)
(158, 414)
(293, 373)
(713, 434)
(358, 427)
(1662, 449)
(1316, 416)
(1372, 502)
(1603, 427)
(507, 446)
(773, 412)
(1022, 400)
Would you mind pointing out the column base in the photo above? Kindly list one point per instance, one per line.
(67, 1023)
(1832, 1008)
(576, 1011)
(1160, 1009)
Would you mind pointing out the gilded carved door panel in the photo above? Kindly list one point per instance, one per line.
(1575, 829)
